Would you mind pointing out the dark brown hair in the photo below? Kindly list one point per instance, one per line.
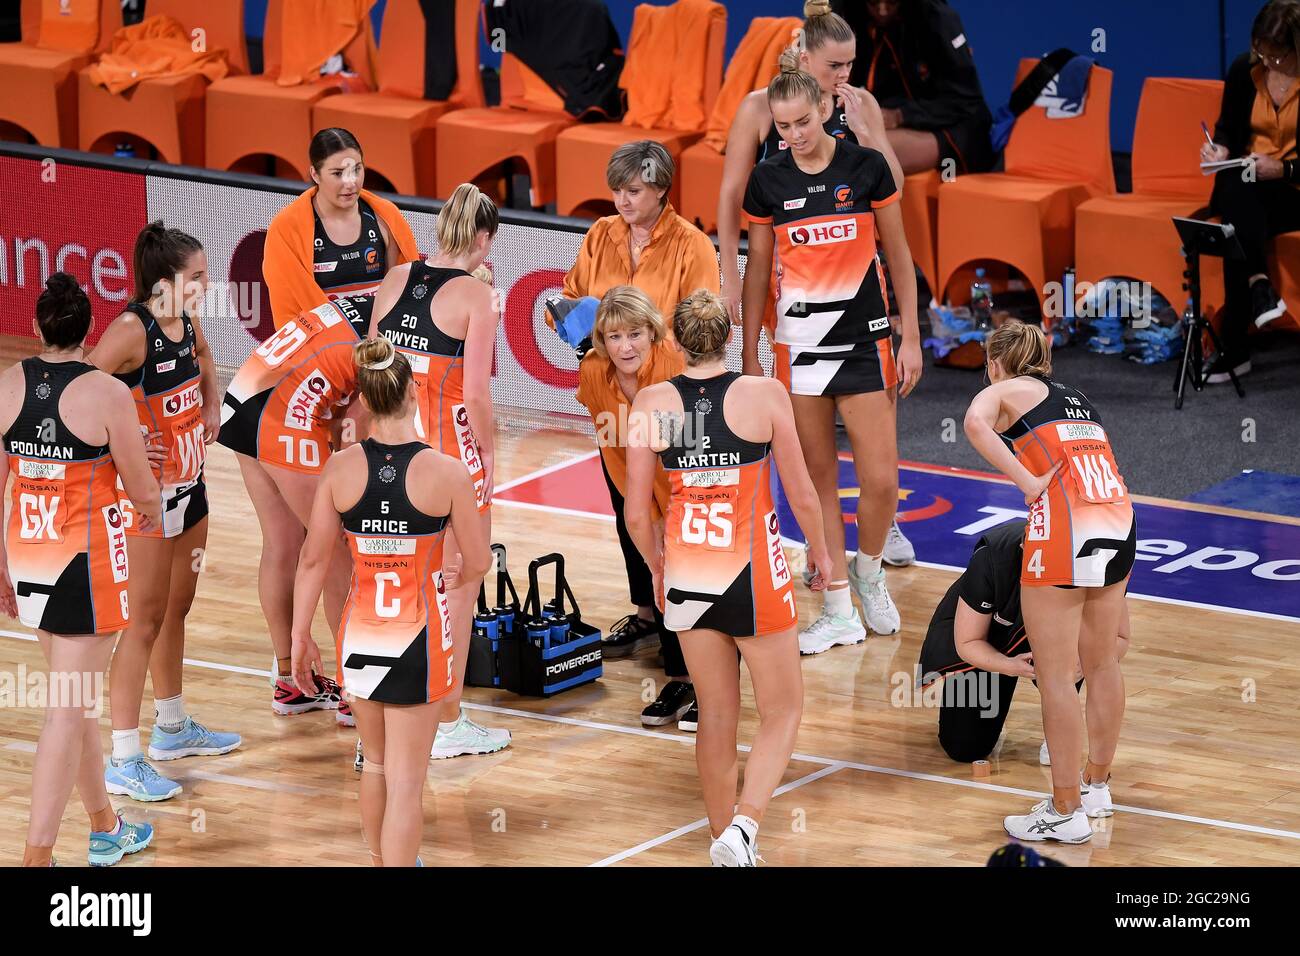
(63, 312)
(160, 253)
(1278, 25)
(327, 142)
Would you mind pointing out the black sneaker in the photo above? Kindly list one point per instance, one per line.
(628, 636)
(673, 701)
(1265, 304)
(690, 721)
(1216, 372)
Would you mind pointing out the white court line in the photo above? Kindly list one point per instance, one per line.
(558, 466)
(792, 543)
(697, 824)
(806, 758)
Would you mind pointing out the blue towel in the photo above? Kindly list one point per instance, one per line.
(574, 318)
(1071, 84)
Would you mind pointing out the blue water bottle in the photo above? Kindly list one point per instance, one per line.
(486, 625)
(539, 632)
(505, 619)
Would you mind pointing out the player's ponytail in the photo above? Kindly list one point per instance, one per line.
(702, 325)
(467, 213)
(63, 312)
(792, 82)
(383, 374)
(160, 254)
(1020, 348)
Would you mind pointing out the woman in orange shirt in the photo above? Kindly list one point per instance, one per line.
(649, 246)
(631, 350)
(646, 244)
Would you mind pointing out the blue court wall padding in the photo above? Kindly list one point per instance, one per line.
(1152, 38)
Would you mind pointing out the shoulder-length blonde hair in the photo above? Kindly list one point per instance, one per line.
(626, 307)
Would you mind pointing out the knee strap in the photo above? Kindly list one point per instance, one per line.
(369, 766)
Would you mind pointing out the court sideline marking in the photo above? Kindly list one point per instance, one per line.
(805, 758)
(703, 822)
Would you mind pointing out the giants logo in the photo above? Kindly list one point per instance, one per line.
(372, 260)
(843, 198)
(465, 440)
(776, 562)
(1040, 520)
(181, 401)
(307, 398)
(841, 230)
(116, 529)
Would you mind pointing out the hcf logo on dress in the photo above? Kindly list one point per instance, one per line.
(822, 233)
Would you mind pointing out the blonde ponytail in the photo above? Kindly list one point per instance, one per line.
(462, 217)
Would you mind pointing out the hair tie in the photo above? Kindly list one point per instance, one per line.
(381, 365)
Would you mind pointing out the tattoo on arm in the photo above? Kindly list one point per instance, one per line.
(670, 426)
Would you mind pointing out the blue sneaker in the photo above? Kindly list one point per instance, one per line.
(135, 778)
(192, 740)
(107, 848)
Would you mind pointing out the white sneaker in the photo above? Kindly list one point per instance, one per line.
(831, 629)
(1096, 799)
(467, 737)
(732, 849)
(898, 550)
(1044, 823)
(877, 605)
(1044, 755)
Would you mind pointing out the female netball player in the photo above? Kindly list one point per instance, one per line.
(444, 320)
(276, 417)
(1079, 548)
(720, 572)
(395, 500)
(821, 203)
(69, 432)
(335, 241)
(158, 349)
(826, 51)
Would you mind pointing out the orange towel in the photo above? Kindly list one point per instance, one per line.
(313, 31)
(664, 72)
(71, 26)
(287, 257)
(156, 47)
(752, 67)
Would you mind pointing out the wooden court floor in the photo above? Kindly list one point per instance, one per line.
(1203, 776)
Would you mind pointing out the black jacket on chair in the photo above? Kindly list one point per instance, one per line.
(571, 44)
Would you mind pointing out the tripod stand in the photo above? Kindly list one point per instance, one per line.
(1214, 239)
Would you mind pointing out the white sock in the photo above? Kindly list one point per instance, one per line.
(126, 744)
(839, 602)
(748, 826)
(448, 728)
(170, 713)
(867, 565)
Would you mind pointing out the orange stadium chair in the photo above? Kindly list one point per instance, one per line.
(167, 113)
(1025, 216)
(1130, 234)
(38, 77)
(752, 67)
(473, 142)
(1286, 268)
(397, 125)
(253, 116)
(672, 76)
(920, 209)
